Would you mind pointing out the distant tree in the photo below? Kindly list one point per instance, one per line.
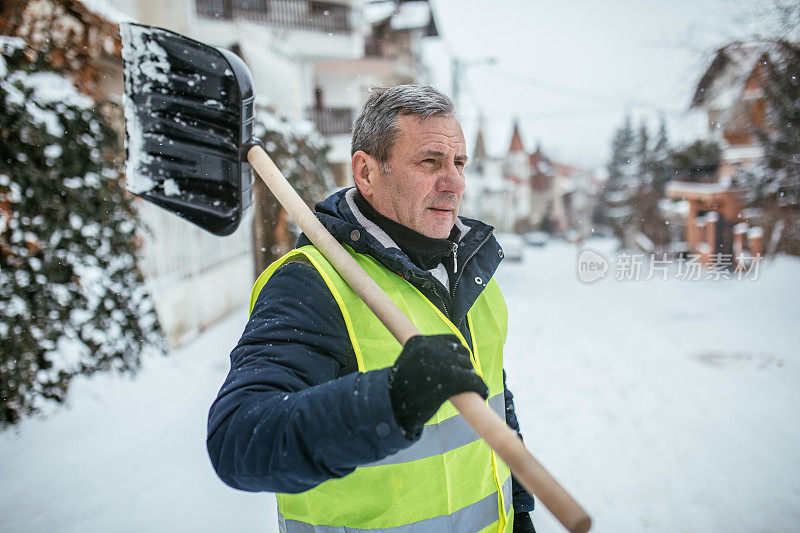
(660, 158)
(620, 187)
(622, 167)
(642, 151)
(650, 190)
(766, 20)
(696, 162)
(775, 183)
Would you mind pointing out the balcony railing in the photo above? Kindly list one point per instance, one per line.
(332, 121)
(215, 9)
(294, 14)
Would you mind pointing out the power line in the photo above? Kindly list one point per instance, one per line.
(583, 94)
(545, 115)
(610, 103)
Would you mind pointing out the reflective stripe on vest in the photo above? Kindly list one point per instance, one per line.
(443, 437)
(447, 480)
(466, 519)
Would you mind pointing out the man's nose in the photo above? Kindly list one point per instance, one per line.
(451, 180)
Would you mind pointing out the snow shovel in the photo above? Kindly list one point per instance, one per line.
(189, 142)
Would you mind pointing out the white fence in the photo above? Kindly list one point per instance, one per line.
(195, 278)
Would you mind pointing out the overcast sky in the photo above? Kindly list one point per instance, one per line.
(570, 69)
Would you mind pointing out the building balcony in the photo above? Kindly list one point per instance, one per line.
(332, 121)
(328, 17)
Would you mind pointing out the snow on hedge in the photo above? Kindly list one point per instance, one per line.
(72, 300)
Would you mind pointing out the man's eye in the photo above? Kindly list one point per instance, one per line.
(460, 163)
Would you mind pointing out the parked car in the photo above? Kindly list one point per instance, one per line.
(536, 238)
(513, 246)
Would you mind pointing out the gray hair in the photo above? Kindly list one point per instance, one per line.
(375, 129)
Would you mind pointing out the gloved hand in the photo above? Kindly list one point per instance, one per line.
(523, 523)
(429, 370)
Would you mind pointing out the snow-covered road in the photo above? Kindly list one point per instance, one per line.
(662, 405)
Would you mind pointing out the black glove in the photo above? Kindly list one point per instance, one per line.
(429, 370)
(523, 523)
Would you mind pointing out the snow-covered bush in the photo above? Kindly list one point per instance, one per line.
(301, 154)
(71, 298)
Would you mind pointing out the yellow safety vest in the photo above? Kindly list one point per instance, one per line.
(449, 480)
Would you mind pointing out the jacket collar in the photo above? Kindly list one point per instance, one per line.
(477, 247)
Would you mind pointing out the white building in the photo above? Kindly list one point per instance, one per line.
(391, 55)
(517, 173)
(310, 60)
(488, 194)
(520, 192)
(313, 62)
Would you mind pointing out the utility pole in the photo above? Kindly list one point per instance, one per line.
(459, 68)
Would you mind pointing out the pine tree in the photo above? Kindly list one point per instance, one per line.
(642, 153)
(620, 187)
(696, 162)
(301, 154)
(71, 298)
(650, 187)
(660, 158)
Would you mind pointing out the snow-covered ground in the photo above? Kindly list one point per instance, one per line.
(662, 405)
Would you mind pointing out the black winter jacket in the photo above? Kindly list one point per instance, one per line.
(287, 417)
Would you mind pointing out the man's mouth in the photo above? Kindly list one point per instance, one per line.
(442, 211)
(444, 207)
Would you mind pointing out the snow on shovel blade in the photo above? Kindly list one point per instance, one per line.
(188, 124)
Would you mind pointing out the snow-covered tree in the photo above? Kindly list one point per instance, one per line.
(622, 183)
(301, 154)
(651, 158)
(638, 171)
(695, 162)
(642, 152)
(777, 184)
(660, 157)
(71, 298)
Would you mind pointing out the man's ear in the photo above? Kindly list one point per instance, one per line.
(365, 171)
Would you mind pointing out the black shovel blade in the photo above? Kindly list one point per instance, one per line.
(188, 126)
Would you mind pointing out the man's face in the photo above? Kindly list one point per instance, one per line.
(425, 180)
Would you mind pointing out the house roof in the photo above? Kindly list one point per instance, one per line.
(539, 163)
(724, 80)
(377, 12)
(26, 19)
(516, 140)
(84, 43)
(109, 12)
(402, 15)
(564, 169)
(480, 146)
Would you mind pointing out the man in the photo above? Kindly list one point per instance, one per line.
(322, 406)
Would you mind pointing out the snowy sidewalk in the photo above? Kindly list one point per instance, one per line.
(129, 455)
(662, 405)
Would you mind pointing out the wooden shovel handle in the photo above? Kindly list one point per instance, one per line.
(480, 417)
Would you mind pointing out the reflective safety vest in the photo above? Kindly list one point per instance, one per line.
(448, 480)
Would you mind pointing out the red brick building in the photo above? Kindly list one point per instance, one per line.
(731, 92)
